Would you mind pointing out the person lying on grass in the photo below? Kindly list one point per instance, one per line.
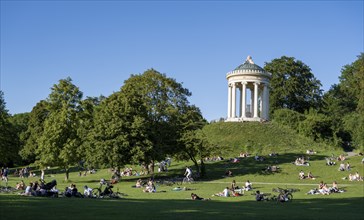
(196, 197)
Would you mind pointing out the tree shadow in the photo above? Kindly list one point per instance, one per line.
(249, 165)
(78, 208)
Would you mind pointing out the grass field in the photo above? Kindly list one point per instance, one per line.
(168, 204)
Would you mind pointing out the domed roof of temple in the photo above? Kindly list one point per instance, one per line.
(249, 65)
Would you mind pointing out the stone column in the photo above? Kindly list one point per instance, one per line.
(229, 101)
(251, 102)
(255, 100)
(240, 103)
(234, 101)
(266, 92)
(243, 99)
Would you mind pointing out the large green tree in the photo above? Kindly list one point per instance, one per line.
(59, 142)
(194, 144)
(293, 85)
(20, 124)
(344, 105)
(9, 141)
(35, 126)
(85, 117)
(352, 84)
(118, 134)
(141, 122)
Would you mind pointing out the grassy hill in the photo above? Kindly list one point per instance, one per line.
(261, 138)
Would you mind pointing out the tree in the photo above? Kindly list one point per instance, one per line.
(315, 126)
(288, 117)
(35, 126)
(352, 84)
(59, 142)
(337, 104)
(9, 141)
(293, 85)
(158, 101)
(118, 134)
(193, 143)
(141, 122)
(85, 118)
(20, 125)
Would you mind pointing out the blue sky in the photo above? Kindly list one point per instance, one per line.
(99, 44)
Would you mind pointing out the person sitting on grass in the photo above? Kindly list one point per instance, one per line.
(224, 193)
(341, 157)
(20, 185)
(228, 173)
(301, 175)
(323, 189)
(28, 190)
(150, 188)
(259, 196)
(248, 186)
(342, 167)
(234, 186)
(139, 183)
(334, 188)
(87, 192)
(310, 176)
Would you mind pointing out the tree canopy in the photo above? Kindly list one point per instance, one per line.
(293, 85)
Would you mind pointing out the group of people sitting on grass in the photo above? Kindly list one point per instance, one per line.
(323, 189)
(355, 177)
(243, 155)
(40, 189)
(214, 158)
(344, 167)
(302, 161)
(235, 190)
(150, 187)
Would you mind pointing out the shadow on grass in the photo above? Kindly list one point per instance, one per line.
(245, 166)
(250, 166)
(17, 207)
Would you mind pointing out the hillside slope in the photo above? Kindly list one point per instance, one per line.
(255, 137)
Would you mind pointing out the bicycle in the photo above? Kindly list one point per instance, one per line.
(188, 180)
(285, 195)
(106, 193)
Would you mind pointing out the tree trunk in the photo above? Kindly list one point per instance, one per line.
(195, 162)
(42, 174)
(67, 174)
(203, 169)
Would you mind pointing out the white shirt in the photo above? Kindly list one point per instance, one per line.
(188, 171)
(226, 192)
(88, 192)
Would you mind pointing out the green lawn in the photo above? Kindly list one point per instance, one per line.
(177, 205)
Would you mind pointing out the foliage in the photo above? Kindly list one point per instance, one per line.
(288, 117)
(344, 105)
(59, 141)
(316, 126)
(352, 83)
(31, 136)
(141, 122)
(193, 142)
(293, 85)
(9, 141)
